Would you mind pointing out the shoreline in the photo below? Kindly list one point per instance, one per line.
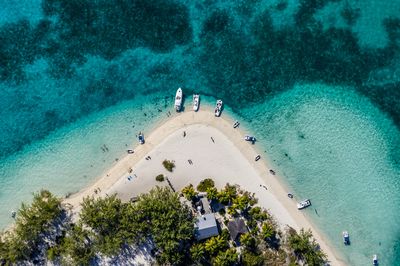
(167, 126)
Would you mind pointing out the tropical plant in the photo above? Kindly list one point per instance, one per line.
(258, 214)
(226, 258)
(34, 223)
(268, 230)
(227, 195)
(77, 247)
(212, 193)
(205, 184)
(215, 245)
(251, 259)
(169, 165)
(248, 241)
(160, 178)
(189, 192)
(168, 222)
(306, 248)
(198, 252)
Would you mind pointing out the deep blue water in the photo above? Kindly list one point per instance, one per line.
(329, 69)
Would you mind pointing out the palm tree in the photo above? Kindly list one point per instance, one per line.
(215, 245)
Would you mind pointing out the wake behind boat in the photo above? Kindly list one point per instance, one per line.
(218, 108)
(196, 102)
(178, 100)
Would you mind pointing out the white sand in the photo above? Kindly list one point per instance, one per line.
(229, 159)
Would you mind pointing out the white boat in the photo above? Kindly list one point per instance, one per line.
(303, 204)
(196, 102)
(249, 138)
(346, 238)
(375, 260)
(218, 108)
(141, 138)
(178, 100)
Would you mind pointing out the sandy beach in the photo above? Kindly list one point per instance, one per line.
(216, 151)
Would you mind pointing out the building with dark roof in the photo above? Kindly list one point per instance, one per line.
(237, 227)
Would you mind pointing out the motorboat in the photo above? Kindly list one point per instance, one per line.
(141, 138)
(250, 138)
(303, 204)
(218, 108)
(258, 157)
(130, 151)
(178, 100)
(375, 260)
(346, 238)
(196, 102)
(236, 124)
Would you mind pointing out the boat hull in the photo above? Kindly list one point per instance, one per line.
(178, 100)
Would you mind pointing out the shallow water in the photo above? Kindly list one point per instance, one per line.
(79, 74)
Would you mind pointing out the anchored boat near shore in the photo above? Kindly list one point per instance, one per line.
(218, 108)
(303, 204)
(141, 138)
(346, 238)
(196, 102)
(178, 100)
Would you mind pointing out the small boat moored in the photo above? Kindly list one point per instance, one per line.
(236, 124)
(196, 102)
(346, 238)
(13, 214)
(250, 138)
(218, 108)
(303, 204)
(375, 260)
(178, 100)
(130, 151)
(258, 157)
(141, 138)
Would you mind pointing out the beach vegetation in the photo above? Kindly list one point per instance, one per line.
(169, 165)
(160, 178)
(227, 194)
(305, 247)
(36, 228)
(168, 222)
(198, 253)
(77, 247)
(215, 244)
(268, 230)
(189, 192)
(252, 259)
(226, 258)
(106, 226)
(248, 241)
(212, 193)
(205, 184)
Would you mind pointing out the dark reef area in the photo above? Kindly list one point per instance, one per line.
(231, 57)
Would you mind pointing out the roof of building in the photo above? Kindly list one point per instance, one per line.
(206, 226)
(237, 227)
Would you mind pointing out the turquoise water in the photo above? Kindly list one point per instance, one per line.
(317, 81)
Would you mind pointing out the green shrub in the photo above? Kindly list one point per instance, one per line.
(160, 178)
(205, 184)
(169, 165)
